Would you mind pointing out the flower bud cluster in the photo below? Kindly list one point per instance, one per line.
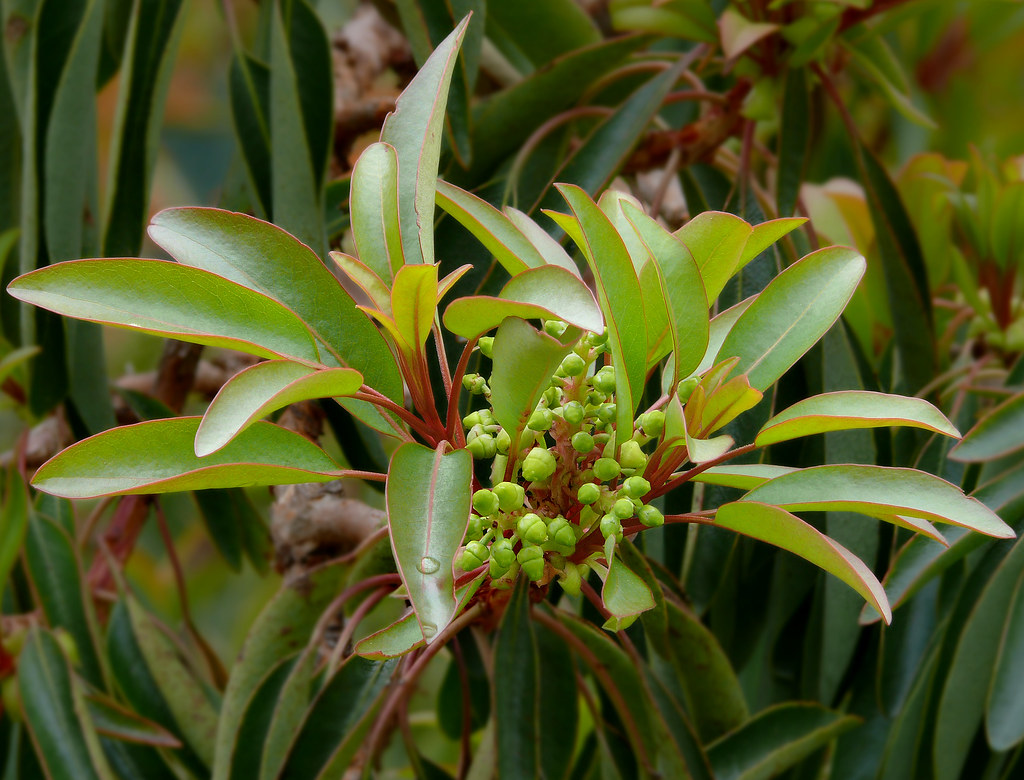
(563, 487)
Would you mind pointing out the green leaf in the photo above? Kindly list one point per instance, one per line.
(793, 136)
(282, 628)
(159, 457)
(714, 698)
(548, 292)
(543, 29)
(414, 130)
(873, 57)
(762, 236)
(720, 327)
(259, 390)
(778, 527)
(683, 290)
(775, 740)
(739, 33)
(255, 721)
(746, 476)
(428, 503)
(496, 231)
(789, 316)
(1004, 710)
(397, 639)
(261, 256)
(716, 240)
(879, 491)
(373, 208)
(249, 92)
(414, 303)
(168, 299)
(625, 595)
(524, 360)
(846, 410)
(688, 19)
(57, 575)
(618, 292)
(550, 250)
(301, 119)
(366, 279)
(997, 433)
(67, 744)
(113, 720)
(153, 34)
(516, 693)
(963, 700)
(13, 523)
(339, 718)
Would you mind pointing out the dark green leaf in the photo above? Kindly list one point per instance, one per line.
(543, 29)
(996, 435)
(516, 693)
(113, 720)
(13, 521)
(793, 140)
(252, 728)
(249, 91)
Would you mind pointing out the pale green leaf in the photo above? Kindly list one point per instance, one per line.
(846, 410)
(745, 477)
(716, 240)
(767, 233)
(625, 595)
(373, 210)
(396, 639)
(366, 279)
(542, 241)
(778, 527)
(261, 389)
(739, 33)
(159, 457)
(414, 302)
(428, 503)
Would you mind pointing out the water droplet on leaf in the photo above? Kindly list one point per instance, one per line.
(429, 565)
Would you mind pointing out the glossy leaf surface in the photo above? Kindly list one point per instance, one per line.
(997, 434)
(373, 207)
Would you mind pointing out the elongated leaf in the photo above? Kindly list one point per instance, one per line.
(493, 229)
(59, 729)
(793, 135)
(255, 720)
(249, 91)
(547, 292)
(13, 522)
(516, 694)
(712, 692)
(168, 299)
(366, 278)
(57, 575)
(113, 720)
(301, 114)
(618, 291)
(846, 410)
(625, 595)
(281, 629)
(550, 250)
(719, 328)
(792, 313)
(373, 207)
(745, 476)
(159, 457)
(414, 130)
(338, 719)
(716, 240)
(878, 491)
(259, 255)
(1004, 710)
(543, 29)
(397, 639)
(967, 685)
(775, 740)
(428, 500)
(153, 34)
(414, 303)
(524, 360)
(683, 290)
(996, 435)
(777, 526)
(261, 389)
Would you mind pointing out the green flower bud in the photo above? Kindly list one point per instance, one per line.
(572, 365)
(552, 397)
(502, 554)
(485, 502)
(651, 516)
(582, 442)
(555, 327)
(623, 509)
(571, 580)
(597, 339)
(685, 389)
(606, 413)
(510, 496)
(475, 529)
(611, 526)
(606, 469)
(473, 556)
(534, 569)
(486, 344)
(482, 447)
(631, 456)
(472, 419)
(602, 438)
(538, 465)
(588, 493)
(532, 529)
(527, 554)
(652, 423)
(635, 487)
(502, 441)
(540, 420)
(573, 412)
(604, 380)
(562, 535)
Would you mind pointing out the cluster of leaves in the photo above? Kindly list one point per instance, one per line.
(622, 455)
